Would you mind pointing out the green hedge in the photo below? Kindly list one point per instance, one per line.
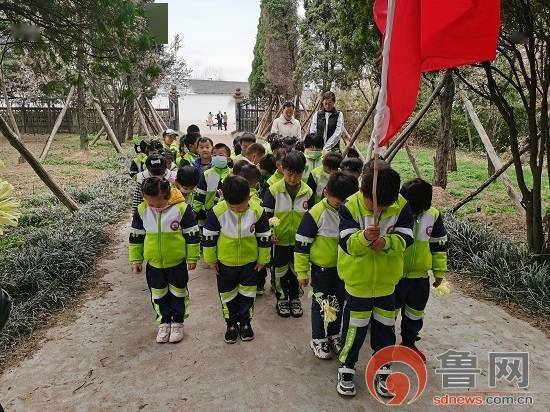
(506, 270)
(48, 258)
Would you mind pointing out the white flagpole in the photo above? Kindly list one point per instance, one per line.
(382, 117)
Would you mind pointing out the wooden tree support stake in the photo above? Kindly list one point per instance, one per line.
(361, 125)
(160, 121)
(490, 180)
(413, 161)
(37, 166)
(108, 128)
(142, 121)
(98, 135)
(493, 156)
(348, 143)
(56, 125)
(306, 124)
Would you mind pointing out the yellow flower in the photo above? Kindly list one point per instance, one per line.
(443, 290)
(9, 206)
(274, 221)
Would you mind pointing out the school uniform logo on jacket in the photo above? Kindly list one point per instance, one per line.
(175, 225)
(252, 228)
(429, 230)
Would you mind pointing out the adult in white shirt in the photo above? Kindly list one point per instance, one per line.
(286, 125)
(328, 123)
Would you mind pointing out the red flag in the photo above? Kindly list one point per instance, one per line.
(458, 32)
(403, 68)
(429, 35)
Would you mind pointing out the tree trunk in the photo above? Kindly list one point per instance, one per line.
(81, 115)
(37, 166)
(452, 166)
(446, 98)
(130, 118)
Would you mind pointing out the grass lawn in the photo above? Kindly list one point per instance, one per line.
(491, 207)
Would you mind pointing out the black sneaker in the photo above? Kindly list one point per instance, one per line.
(283, 308)
(246, 332)
(231, 334)
(380, 382)
(260, 290)
(345, 385)
(296, 308)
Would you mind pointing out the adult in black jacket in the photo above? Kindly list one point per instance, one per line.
(328, 123)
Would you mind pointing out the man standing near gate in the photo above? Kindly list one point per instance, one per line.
(328, 123)
(286, 124)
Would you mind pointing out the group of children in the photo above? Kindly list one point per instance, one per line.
(307, 217)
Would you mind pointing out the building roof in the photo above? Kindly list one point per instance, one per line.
(216, 87)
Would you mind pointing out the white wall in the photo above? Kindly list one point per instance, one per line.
(194, 109)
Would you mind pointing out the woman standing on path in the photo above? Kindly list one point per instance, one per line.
(210, 120)
(328, 123)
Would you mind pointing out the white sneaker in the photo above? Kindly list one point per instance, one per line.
(320, 348)
(176, 332)
(345, 385)
(163, 334)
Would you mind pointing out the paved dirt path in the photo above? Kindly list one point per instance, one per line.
(106, 358)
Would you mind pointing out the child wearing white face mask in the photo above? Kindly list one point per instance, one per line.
(165, 233)
(207, 191)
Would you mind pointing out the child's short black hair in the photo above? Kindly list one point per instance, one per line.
(352, 152)
(247, 137)
(389, 181)
(288, 103)
(255, 148)
(280, 154)
(332, 161)
(418, 193)
(169, 155)
(156, 186)
(140, 147)
(251, 173)
(237, 146)
(154, 146)
(235, 189)
(290, 141)
(267, 163)
(188, 176)
(341, 185)
(193, 129)
(237, 166)
(218, 146)
(156, 163)
(313, 141)
(294, 161)
(300, 146)
(190, 139)
(352, 164)
(205, 139)
(275, 141)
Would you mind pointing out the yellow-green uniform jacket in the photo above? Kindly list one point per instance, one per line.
(173, 146)
(277, 202)
(164, 239)
(429, 250)
(137, 165)
(274, 178)
(314, 159)
(206, 192)
(317, 180)
(365, 272)
(189, 157)
(317, 239)
(236, 239)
